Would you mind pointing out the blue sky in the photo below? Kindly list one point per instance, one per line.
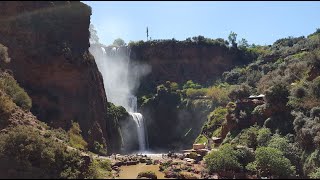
(258, 22)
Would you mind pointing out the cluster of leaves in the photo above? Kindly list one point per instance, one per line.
(75, 136)
(18, 95)
(270, 162)
(222, 160)
(215, 120)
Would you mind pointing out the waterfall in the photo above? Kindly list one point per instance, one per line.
(119, 83)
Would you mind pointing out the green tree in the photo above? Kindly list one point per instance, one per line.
(277, 95)
(240, 92)
(232, 39)
(243, 44)
(271, 162)
(264, 136)
(225, 159)
(119, 42)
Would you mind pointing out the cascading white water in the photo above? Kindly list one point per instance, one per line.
(119, 84)
(138, 118)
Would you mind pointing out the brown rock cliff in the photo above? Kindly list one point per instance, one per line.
(48, 43)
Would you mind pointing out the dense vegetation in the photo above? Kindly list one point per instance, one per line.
(276, 136)
(281, 131)
(34, 150)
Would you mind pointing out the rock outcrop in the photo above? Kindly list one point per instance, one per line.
(179, 61)
(48, 44)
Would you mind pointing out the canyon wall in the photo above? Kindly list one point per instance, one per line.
(48, 44)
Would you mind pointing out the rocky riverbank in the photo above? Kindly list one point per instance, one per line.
(163, 165)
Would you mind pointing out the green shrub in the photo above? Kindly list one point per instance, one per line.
(191, 85)
(201, 140)
(76, 139)
(248, 137)
(264, 136)
(240, 92)
(311, 162)
(217, 132)
(315, 174)
(271, 162)
(193, 155)
(6, 106)
(277, 95)
(244, 156)
(99, 169)
(60, 134)
(218, 94)
(4, 54)
(147, 174)
(99, 149)
(315, 87)
(224, 159)
(186, 175)
(215, 119)
(24, 153)
(10, 86)
(194, 93)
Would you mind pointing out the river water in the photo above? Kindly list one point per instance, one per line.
(131, 172)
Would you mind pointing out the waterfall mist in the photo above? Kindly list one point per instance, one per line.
(121, 79)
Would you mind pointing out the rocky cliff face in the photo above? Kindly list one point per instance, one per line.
(48, 43)
(179, 61)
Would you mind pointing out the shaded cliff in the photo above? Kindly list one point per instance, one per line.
(180, 61)
(48, 43)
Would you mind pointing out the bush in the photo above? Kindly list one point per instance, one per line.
(315, 174)
(76, 139)
(218, 94)
(191, 85)
(299, 92)
(201, 140)
(186, 175)
(193, 155)
(99, 149)
(147, 174)
(224, 159)
(6, 106)
(277, 95)
(240, 92)
(194, 93)
(10, 86)
(271, 162)
(248, 137)
(99, 169)
(312, 162)
(24, 153)
(264, 136)
(4, 54)
(315, 87)
(244, 156)
(60, 134)
(215, 119)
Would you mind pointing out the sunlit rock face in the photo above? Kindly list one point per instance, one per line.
(48, 44)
